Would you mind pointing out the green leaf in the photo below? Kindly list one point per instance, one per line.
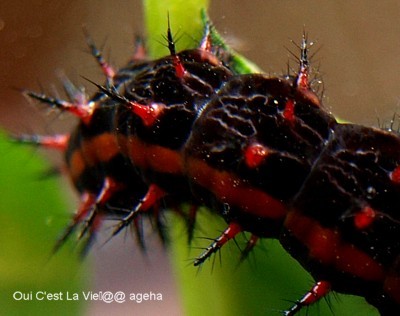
(32, 214)
(185, 21)
(239, 63)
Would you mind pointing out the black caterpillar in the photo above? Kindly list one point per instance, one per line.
(260, 151)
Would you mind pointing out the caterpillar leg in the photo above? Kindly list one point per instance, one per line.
(88, 213)
(229, 233)
(318, 291)
(251, 243)
(153, 195)
(58, 142)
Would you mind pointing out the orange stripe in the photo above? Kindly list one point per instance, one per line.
(99, 149)
(149, 156)
(326, 246)
(77, 165)
(229, 188)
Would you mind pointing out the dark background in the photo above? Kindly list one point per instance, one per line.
(358, 58)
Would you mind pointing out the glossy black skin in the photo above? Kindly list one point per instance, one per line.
(102, 121)
(353, 172)
(249, 109)
(119, 168)
(145, 82)
(182, 98)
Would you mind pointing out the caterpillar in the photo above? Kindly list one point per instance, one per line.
(253, 148)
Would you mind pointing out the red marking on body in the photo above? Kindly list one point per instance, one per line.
(288, 112)
(110, 186)
(153, 195)
(148, 113)
(364, 218)
(395, 175)
(229, 188)
(326, 246)
(83, 111)
(229, 233)
(255, 154)
(179, 68)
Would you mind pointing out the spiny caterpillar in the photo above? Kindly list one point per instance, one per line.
(260, 151)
